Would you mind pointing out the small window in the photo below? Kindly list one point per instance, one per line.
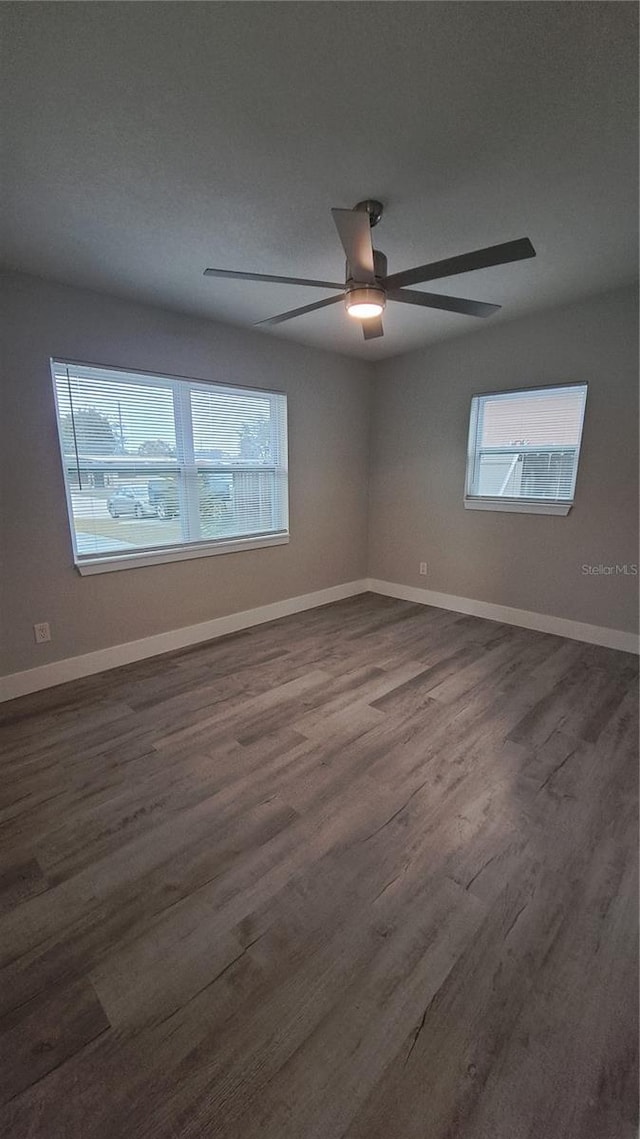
(524, 448)
(159, 469)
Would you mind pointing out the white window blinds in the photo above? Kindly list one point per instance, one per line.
(153, 463)
(524, 445)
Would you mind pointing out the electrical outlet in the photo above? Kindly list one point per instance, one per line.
(423, 569)
(42, 632)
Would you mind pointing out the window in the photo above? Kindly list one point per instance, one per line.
(524, 448)
(158, 469)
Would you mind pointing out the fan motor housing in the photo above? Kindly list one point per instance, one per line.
(379, 264)
(379, 269)
(363, 292)
(374, 293)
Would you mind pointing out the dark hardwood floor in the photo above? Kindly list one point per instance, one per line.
(366, 872)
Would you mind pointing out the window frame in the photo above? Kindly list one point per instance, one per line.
(505, 503)
(88, 564)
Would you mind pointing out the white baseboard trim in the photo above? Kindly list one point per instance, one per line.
(72, 668)
(542, 622)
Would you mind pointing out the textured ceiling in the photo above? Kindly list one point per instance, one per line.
(147, 141)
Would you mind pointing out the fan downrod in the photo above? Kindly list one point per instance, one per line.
(371, 207)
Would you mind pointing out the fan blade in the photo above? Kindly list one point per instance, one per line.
(301, 311)
(354, 232)
(372, 328)
(230, 274)
(449, 304)
(465, 263)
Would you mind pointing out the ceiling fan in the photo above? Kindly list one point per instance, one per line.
(367, 286)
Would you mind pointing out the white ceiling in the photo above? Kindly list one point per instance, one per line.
(147, 141)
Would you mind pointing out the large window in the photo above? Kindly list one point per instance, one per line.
(158, 469)
(524, 448)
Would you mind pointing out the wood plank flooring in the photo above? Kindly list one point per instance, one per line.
(367, 872)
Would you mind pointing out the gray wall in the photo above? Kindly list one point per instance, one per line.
(419, 437)
(414, 475)
(328, 443)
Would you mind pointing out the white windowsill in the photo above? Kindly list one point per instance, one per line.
(518, 506)
(183, 553)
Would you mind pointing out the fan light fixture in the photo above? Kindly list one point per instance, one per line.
(365, 302)
(368, 286)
